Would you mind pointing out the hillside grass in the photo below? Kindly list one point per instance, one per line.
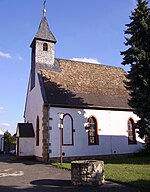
(134, 171)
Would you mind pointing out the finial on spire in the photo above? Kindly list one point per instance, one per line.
(44, 9)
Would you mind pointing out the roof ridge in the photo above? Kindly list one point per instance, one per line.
(100, 64)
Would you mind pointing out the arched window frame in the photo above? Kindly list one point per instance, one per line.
(45, 47)
(72, 131)
(93, 138)
(131, 132)
(37, 131)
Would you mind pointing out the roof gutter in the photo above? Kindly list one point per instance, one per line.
(90, 107)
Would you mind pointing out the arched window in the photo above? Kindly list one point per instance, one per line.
(131, 132)
(67, 131)
(92, 131)
(45, 47)
(37, 131)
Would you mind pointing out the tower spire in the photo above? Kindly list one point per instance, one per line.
(44, 8)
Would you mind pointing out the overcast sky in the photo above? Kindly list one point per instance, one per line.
(92, 30)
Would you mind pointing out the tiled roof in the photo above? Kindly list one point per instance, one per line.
(79, 84)
(25, 130)
(44, 32)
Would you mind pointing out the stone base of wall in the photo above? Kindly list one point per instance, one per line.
(25, 157)
(29, 158)
(39, 159)
(87, 172)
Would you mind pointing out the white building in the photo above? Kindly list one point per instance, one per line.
(74, 109)
(1, 140)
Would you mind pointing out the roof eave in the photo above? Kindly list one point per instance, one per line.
(90, 107)
(41, 39)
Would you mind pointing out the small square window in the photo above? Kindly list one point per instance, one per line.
(45, 47)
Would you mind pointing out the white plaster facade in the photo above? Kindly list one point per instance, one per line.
(33, 109)
(112, 130)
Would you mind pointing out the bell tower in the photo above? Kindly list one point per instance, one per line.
(43, 47)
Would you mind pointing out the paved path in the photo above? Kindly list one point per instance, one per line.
(31, 176)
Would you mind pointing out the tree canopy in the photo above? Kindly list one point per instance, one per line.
(137, 56)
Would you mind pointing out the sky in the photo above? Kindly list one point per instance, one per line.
(90, 30)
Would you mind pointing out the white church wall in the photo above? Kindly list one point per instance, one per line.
(34, 108)
(112, 130)
(119, 132)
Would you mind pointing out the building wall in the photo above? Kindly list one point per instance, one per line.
(34, 107)
(112, 130)
(1, 142)
(26, 147)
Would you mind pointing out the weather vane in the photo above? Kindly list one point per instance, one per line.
(44, 10)
(44, 4)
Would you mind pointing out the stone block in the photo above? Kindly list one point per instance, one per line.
(87, 172)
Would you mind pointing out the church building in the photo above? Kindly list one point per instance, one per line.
(74, 109)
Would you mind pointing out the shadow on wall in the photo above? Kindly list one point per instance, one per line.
(108, 145)
(120, 144)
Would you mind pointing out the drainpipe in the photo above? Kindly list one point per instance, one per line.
(48, 139)
(60, 128)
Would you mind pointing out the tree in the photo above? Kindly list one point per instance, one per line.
(137, 56)
(8, 140)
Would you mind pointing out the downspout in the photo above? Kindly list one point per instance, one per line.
(48, 139)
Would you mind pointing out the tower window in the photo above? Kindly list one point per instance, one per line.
(45, 47)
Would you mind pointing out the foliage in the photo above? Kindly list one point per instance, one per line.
(132, 174)
(7, 137)
(66, 166)
(8, 140)
(137, 56)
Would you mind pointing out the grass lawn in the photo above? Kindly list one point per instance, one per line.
(133, 171)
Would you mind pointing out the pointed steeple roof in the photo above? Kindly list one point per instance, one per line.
(44, 32)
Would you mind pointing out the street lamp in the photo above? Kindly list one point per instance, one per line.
(61, 115)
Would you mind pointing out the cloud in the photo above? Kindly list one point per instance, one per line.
(5, 55)
(87, 60)
(1, 109)
(5, 125)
